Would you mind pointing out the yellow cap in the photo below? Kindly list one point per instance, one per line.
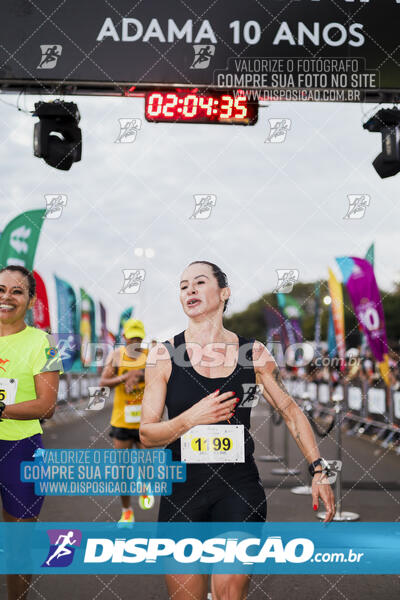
(134, 328)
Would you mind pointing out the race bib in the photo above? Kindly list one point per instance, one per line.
(133, 413)
(8, 390)
(213, 444)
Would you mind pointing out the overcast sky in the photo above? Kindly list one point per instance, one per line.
(277, 205)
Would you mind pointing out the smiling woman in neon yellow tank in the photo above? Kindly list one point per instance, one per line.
(29, 376)
(22, 356)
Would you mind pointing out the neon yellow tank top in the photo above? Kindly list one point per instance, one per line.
(22, 356)
(128, 407)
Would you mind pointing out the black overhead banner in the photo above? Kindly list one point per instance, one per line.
(263, 44)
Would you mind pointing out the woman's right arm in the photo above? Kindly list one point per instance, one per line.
(109, 377)
(211, 409)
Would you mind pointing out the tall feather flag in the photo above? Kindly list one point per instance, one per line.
(292, 312)
(332, 349)
(336, 294)
(370, 257)
(359, 278)
(19, 239)
(105, 335)
(18, 243)
(87, 326)
(67, 325)
(317, 330)
(41, 314)
(276, 328)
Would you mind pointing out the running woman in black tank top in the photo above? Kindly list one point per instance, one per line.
(199, 392)
(213, 491)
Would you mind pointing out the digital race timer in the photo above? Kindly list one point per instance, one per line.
(195, 106)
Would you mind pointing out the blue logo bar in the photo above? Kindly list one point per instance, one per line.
(158, 548)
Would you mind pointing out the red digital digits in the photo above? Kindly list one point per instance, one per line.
(190, 104)
(226, 107)
(172, 101)
(206, 102)
(240, 105)
(180, 106)
(155, 105)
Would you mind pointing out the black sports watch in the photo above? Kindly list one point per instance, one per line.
(320, 461)
(2, 407)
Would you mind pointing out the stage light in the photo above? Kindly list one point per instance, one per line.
(57, 137)
(387, 122)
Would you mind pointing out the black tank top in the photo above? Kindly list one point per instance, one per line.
(186, 387)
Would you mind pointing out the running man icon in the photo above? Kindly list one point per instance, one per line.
(98, 397)
(62, 550)
(202, 56)
(50, 55)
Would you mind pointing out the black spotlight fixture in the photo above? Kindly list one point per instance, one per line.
(387, 122)
(57, 137)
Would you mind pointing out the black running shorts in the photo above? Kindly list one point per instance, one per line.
(242, 499)
(124, 433)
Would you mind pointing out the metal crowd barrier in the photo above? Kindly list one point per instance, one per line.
(75, 386)
(373, 411)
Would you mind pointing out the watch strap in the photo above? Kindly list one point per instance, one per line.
(313, 465)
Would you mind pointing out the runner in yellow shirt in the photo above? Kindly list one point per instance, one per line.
(124, 370)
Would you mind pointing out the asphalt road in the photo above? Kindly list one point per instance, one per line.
(371, 488)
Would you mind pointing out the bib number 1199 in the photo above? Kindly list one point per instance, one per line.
(213, 444)
(216, 443)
